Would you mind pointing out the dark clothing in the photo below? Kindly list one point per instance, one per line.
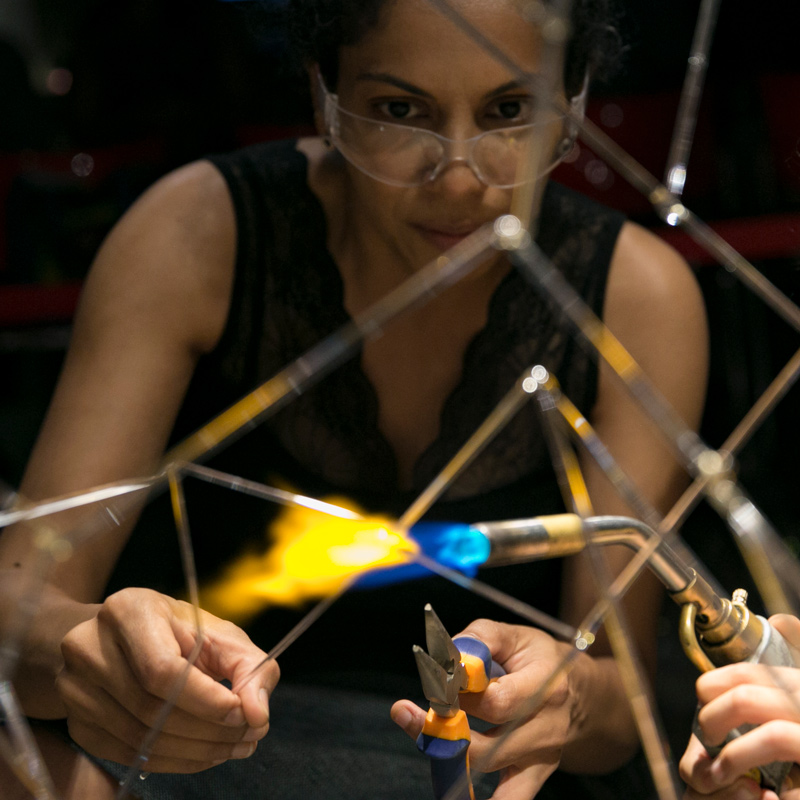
(287, 296)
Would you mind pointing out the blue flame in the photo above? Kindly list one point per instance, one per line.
(453, 544)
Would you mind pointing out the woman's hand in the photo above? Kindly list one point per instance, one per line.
(121, 666)
(527, 743)
(746, 693)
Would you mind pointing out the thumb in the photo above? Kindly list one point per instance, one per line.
(409, 717)
(255, 691)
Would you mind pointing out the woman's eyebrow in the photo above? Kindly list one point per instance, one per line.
(505, 87)
(385, 77)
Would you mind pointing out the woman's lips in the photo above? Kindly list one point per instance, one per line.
(445, 238)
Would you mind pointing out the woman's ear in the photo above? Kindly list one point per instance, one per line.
(317, 98)
(577, 106)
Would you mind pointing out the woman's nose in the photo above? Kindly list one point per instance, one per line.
(456, 174)
(458, 179)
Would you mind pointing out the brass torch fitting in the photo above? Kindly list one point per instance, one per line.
(726, 631)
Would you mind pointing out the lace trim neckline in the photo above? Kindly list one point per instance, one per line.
(510, 289)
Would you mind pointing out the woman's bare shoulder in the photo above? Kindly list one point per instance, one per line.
(644, 262)
(652, 288)
(173, 249)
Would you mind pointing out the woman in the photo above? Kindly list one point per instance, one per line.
(229, 268)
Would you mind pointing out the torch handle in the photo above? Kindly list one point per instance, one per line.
(774, 651)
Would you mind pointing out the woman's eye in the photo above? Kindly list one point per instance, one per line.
(399, 109)
(512, 110)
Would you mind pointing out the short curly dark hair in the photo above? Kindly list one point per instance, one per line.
(318, 28)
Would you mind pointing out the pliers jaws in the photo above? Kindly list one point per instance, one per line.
(442, 674)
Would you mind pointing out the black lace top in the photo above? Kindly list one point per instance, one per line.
(287, 296)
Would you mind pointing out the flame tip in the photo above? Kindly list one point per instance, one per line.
(310, 555)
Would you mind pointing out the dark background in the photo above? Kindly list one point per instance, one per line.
(98, 99)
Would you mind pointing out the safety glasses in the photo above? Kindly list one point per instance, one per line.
(402, 155)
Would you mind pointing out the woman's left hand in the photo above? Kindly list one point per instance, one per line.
(527, 742)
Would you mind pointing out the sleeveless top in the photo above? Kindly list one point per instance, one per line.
(287, 296)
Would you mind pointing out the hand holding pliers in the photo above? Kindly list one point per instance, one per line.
(450, 666)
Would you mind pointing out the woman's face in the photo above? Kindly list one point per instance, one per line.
(417, 68)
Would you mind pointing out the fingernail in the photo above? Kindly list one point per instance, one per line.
(243, 750)
(235, 717)
(403, 718)
(263, 698)
(253, 735)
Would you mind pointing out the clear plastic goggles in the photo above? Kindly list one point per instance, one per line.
(402, 155)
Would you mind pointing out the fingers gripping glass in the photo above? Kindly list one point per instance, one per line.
(402, 155)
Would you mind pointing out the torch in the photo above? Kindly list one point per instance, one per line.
(714, 630)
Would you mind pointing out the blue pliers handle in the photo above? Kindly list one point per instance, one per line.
(479, 666)
(454, 666)
(449, 756)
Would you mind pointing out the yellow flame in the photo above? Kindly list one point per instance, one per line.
(313, 554)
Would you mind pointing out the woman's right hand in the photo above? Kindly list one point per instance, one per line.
(121, 666)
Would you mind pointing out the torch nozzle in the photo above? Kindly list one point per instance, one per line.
(514, 541)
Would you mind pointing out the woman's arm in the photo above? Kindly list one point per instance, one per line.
(157, 298)
(654, 307)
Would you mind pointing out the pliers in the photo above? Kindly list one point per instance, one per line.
(450, 666)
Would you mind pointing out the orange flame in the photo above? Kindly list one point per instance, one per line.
(313, 554)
